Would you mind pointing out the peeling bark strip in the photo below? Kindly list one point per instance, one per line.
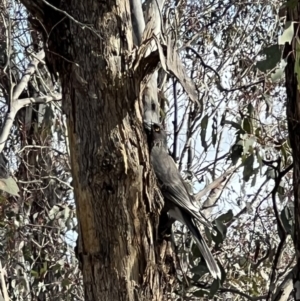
(116, 203)
(293, 116)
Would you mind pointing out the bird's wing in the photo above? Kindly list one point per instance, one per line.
(172, 184)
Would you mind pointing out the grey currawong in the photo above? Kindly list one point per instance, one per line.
(178, 201)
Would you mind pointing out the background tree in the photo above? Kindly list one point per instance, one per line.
(34, 252)
(291, 54)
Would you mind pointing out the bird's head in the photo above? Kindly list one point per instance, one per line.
(156, 133)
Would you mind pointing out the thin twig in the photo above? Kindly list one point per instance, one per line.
(3, 284)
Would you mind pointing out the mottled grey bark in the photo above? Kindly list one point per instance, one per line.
(117, 205)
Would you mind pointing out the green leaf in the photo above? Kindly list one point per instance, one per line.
(242, 261)
(204, 123)
(195, 251)
(48, 116)
(53, 214)
(35, 274)
(223, 274)
(221, 227)
(221, 231)
(214, 131)
(280, 190)
(248, 144)
(44, 269)
(278, 74)
(66, 282)
(201, 269)
(287, 219)
(56, 267)
(269, 103)
(250, 109)
(247, 125)
(253, 182)
(162, 113)
(196, 278)
(270, 173)
(257, 132)
(248, 168)
(208, 235)
(10, 186)
(67, 212)
(226, 217)
(259, 160)
(214, 287)
(236, 153)
(200, 293)
(297, 61)
(285, 152)
(287, 34)
(218, 238)
(273, 56)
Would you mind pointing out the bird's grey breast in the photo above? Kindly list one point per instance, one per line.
(164, 166)
(158, 156)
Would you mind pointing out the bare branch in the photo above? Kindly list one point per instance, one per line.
(285, 288)
(235, 291)
(214, 195)
(281, 230)
(215, 183)
(3, 284)
(25, 79)
(16, 106)
(244, 210)
(45, 99)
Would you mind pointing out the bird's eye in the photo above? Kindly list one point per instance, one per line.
(156, 128)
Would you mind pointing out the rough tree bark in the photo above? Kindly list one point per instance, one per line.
(89, 44)
(293, 116)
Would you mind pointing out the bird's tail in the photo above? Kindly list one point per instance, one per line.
(185, 218)
(203, 247)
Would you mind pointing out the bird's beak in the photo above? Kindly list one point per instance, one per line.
(147, 125)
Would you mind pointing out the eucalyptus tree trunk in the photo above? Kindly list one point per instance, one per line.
(89, 44)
